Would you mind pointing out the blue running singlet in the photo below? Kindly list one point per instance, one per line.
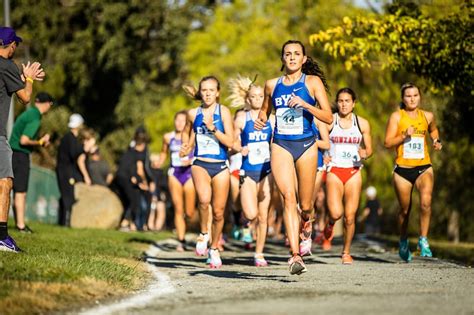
(258, 143)
(207, 145)
(292, 123)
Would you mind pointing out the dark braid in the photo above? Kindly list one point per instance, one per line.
(310, 67)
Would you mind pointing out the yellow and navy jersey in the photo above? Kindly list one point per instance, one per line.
(414, 150)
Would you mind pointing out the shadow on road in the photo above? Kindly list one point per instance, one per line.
(239, 275)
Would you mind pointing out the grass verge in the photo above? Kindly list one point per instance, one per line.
(461, 252)
(62, 268)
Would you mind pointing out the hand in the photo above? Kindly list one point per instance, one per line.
(362, 153)
(261, 121)
(245, 151)
(410, 130)
(45, 140)
(327, 159)
(437, 145)
(33, 71)
(134, 180)
(87, 180)
(296, 101)
(209, 124)
(143, 186)
(185, 150)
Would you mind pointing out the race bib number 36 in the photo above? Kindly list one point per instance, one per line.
(414, 149)
(289, 121)
(207, 144)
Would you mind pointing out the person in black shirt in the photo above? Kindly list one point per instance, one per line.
(12, 81)
(131, 179)
(372, 212)
(70, 169)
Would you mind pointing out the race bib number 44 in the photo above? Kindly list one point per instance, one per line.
(414, 148)
(207, 144)
(289, 121)
(259, 152)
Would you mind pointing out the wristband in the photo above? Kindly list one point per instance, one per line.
(30, 80)
(437, 141)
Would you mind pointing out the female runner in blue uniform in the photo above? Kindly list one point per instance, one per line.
(255, 177)
(210, 128)
(294, 151)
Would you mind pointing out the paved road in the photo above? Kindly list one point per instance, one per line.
(377, 283)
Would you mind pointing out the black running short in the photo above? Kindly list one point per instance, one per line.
(21, 171)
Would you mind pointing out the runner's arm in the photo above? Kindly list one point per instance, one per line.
(392, 139)
(226, 137)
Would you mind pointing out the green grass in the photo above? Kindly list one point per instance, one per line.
(462, 252)
(57, 257)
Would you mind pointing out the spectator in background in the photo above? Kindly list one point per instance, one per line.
(157, 217)
(372, 212)
(70, 169)
(131, 179)
(98, 169)
(23, 139)
(11, 81)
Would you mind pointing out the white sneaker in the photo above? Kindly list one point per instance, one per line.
(216, 261)
(201, 244)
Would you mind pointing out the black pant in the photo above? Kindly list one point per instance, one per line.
(67, 200)
(130, 195)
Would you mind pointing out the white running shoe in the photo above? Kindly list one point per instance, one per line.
(216, 261)
(201, 244)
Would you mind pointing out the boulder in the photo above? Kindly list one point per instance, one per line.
(96, 207)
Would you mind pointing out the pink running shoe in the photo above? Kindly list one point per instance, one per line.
(305, 247)
(201, 244)
(216, 261)
(305, 235)
(260, 260)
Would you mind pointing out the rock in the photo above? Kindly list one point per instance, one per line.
(96, 207)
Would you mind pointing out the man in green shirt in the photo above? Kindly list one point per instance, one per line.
(23, 139)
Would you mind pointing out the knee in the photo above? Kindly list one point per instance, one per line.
(290, 199)
(6, 185)
(426, 205)
(349, 220)
(262, 219)
(204, 204)
(218, 216)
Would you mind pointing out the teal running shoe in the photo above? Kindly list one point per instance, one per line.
(236, 232)
(208, 260)
(247, 236)
(404, 250)
(424, 247)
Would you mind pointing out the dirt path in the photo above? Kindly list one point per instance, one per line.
(377, 283)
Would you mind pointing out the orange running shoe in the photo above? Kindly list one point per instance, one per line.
(329, 231)
(347, 259)
(327, 244)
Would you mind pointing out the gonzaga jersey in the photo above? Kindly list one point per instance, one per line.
(258, 143)
(345, 144)
(207, 145)
(292, 123)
